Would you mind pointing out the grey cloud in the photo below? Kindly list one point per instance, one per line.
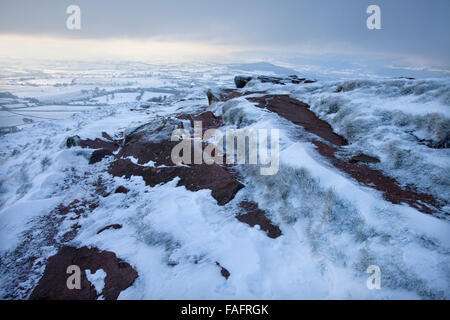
(408, 27)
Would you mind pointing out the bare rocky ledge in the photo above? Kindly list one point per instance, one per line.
(52, 286)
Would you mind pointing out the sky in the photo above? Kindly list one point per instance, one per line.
(414, 32)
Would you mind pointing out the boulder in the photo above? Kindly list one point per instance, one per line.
(212, 98)
(73, 141)
(241, 81)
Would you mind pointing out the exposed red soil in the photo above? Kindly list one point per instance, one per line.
(255, 216)
(53, 284)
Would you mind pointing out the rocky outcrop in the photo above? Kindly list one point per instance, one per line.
(151, 144)
(364, 159)
(218, 179)
(328, 143)
(148, 144)
(73, 141)
(104, 147)
(53, 285)
(241, 81)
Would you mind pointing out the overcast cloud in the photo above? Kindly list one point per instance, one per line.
(409, 28)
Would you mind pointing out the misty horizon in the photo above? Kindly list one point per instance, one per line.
(290, 33)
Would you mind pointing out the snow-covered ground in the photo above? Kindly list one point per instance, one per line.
(333, 228)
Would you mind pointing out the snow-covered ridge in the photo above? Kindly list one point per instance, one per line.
(405, 123)
(332, 227)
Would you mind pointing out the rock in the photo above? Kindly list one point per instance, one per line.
(98, 144)
(52, 286)
(111, 226)
(211, 97)
(121, 189)
(208, 119)
(224, 272)
(107, 136)
(275, 80)
(151, 142)
(295, 79)
(77, 207)
(73, 141)
(444, 143)
(364, 158)
(255, 216)
(218, 179)
(241, 81)
(104, 148)
(98, 155)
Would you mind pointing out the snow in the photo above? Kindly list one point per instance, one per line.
(97, 279)
(14, 220)
(333, 228)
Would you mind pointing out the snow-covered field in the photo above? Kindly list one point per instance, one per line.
(333, 228)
